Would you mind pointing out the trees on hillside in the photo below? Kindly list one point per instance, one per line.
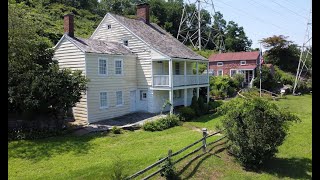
(35, 83)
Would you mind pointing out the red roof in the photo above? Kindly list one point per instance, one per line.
(231, 56)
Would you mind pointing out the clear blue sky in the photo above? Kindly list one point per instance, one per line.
(265, 18)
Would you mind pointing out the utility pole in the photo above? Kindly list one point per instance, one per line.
(260, 66)
(303, 57)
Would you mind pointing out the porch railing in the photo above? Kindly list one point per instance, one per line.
(179, 80)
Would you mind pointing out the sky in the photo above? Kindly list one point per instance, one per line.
(265, 18)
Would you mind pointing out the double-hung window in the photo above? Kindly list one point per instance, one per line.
(177, 68)
(103, 100)
(118, 64)
(119, 98)
(103, 67)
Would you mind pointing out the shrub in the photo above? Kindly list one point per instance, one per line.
(283, 77)
(222, 86)
(169, 171)
(161, 123)
(238, 79)
(118, 169)
(203, 107)
(215, 104)
(255, 128)
(116, 130)
(186, 113)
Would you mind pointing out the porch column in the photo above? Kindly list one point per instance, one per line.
(197, 72)
(171, 86)
(198, 92)
(208, 88)
(185, 73)
(208, 94)
(152, 73)
(185, 97)
(170, 73)
(171, 100)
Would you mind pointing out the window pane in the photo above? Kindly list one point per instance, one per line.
(119, 97)
(118, 65)
(102, 66)
(103, 99)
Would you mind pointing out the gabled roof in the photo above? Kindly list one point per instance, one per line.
(158, 38)
(232, 56)
(98, 46)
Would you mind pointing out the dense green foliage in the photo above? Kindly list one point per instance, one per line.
(255, 128)
(268, 80)
(224, 86)
(161, 123)
(35, 83)
(186, 113)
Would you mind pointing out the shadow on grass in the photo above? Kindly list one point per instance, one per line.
(36, 150)
(203, 157)
(206, 118)
(296, 168)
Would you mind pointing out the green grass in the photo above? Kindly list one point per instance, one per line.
(91, 156)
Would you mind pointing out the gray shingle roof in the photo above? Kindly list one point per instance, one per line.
(99, 46)
(158, 38)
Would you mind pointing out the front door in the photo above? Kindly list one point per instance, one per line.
(132, 101)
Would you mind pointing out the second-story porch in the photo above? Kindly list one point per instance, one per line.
(179, 73)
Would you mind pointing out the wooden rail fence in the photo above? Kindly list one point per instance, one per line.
(170, 154)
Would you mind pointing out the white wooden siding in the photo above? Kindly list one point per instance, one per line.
(144, 53)
(70, 56)
(111, 83)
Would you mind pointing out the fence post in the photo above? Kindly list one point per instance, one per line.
(204, 143)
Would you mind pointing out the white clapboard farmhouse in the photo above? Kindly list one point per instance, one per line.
(132, 64)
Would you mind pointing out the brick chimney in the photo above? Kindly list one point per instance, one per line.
(143, 12)
(68, 25)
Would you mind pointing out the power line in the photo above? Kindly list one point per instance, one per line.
(293, 5)
(289, 10)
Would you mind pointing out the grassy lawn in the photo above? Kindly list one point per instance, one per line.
(91, 156)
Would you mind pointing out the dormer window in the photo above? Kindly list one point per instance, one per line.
(125, 42)
(243, 62)
(109, 26)
(219, 63)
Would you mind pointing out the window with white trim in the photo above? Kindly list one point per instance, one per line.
(243, 62)
(233, 72)
(103, 100)
(119, 98)
(125, 42)
(103, 67)
(220, 72)
(109, 26)
(118, 65)
(143, 95)
(219, 63)
(177, 68)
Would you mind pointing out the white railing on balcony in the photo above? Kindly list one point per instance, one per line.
(160, 80)
(179, 80)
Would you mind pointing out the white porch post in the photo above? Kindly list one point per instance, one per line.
(197, 72)
(185, 97)
(208, 82)
(171, 86)
(170, 73)
(152, 73)
(171, 100)
(198, 92)
(185, 72)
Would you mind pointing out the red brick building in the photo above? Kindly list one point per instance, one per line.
(235, 62)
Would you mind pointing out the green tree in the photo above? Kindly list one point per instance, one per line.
(255, 128)
(281, 52)
(35, 83)
(235, 38)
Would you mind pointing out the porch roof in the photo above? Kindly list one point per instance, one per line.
(249, 67)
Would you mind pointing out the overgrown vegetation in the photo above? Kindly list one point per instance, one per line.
(255, 128)
(225, 86)
(36, 85)
(161, 123)
(186, 113)
(116, 130)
